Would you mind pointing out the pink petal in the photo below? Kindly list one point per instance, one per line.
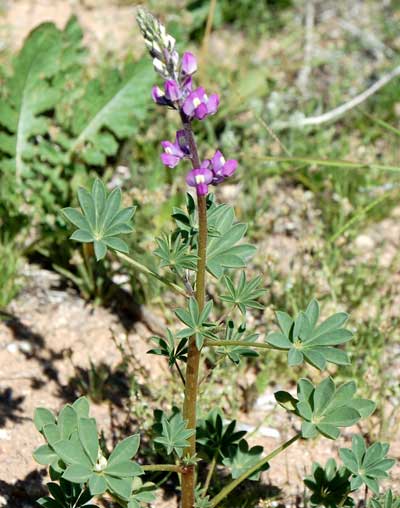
(169, 160)
(189, 63)
(213, 103)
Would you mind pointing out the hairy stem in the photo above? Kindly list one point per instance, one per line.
(148, 271)
(173, 468)
(219, 343)
(193, 359)
(231, 486)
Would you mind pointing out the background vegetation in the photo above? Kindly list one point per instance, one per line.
(321, 200)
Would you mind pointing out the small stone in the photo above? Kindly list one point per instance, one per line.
(364, 242)
(3, 500)
(12, 348)
(5, 435)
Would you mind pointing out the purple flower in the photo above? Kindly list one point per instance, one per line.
(175, 152)
(199, 105)
(222, 168)
(159, 97)
(189, 63)
(200, 178)
(172, 90)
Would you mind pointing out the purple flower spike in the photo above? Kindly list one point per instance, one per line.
(200, 178)
(172, 90)
(199, 105)
(221, 168)
(175, 152)
(189, 63)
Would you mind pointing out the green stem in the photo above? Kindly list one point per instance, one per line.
(210, 473)
(193, 359)
(173, 468)
(216, 343)
(149, 271)
(231, 486)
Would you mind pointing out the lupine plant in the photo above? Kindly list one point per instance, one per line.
(207, 243)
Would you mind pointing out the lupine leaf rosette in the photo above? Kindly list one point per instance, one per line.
(325, 408)
(172, 432)
(245, 458)
(306, 341)
(73, 451)
(329, 485)
(367, 465)
(216, 439)
(102, 219)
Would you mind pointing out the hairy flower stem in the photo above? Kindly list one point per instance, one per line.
(193, 360)
(231, 486)
(164, 467)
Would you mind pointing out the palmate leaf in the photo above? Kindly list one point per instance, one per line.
(386, 501)
(325, 408)
(243, 459)
(102, 219)
(73, 451)
(29, 95)
(308, 342)
(236, 353)
(66, 495)
(175, 254)
(224, 247)
(174, 433)
(367, 465)
(330, 485)
(196, 322)
(216, 439)
(142, 492)
(113, 106)
(245, 293)
(169, 347)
